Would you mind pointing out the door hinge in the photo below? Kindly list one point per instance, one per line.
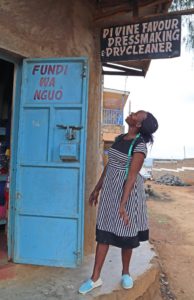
(77, 253)
(84, 71)
(18, 195)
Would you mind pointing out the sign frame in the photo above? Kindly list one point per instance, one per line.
(153, 38)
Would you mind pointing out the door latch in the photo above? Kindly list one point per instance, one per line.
(70, 130)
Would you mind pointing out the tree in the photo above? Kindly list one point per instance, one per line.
(182, 4)
(187, 21)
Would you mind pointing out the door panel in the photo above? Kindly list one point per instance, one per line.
(57, 195)
(35, 134)
(39, 244)
(50, 179)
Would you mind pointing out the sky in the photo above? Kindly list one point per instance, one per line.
(167, 92)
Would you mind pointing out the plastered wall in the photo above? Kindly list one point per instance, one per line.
(60, 28)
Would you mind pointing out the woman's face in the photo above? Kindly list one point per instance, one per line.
(135, 119)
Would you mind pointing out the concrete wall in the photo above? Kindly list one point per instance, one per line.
(184, 169)
(117, 129)
(114, 99)
(49, 28)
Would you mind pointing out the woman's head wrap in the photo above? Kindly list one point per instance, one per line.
(149, 126)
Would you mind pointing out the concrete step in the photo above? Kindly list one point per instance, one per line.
(26, 282)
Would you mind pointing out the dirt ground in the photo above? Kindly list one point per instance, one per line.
(171, 213)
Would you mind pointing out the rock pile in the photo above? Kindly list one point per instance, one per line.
(172, 180)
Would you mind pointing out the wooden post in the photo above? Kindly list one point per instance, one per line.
(135, 8)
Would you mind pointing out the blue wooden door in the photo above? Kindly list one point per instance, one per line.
(50, 180)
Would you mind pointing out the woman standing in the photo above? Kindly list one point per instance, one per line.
(122, 214)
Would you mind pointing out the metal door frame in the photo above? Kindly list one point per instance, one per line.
(17, 61)
(16, 99)
(85, 85)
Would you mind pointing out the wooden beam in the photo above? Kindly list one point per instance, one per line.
(171, 13)
(102, 16)
(135, 8)
(154, 3)
(121, 68)
(127, 3)
(126, 8)
(125, 71)
(108, 4)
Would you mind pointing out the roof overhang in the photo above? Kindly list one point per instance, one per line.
(128, 68)
(119, 92)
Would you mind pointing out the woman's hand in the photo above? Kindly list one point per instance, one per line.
(123, 214)
(94, 198)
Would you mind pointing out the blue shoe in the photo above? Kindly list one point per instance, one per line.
(126, 281)
(89, 285)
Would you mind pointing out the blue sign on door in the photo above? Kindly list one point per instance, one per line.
(51, 162)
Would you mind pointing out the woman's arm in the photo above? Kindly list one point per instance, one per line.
(94, 195)
(135, 167)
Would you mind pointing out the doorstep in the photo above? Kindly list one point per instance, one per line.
(27, 282)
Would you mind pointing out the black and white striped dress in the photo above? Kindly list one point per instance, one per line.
(110, 228)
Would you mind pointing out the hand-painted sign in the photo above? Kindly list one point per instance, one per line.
(154, 38)
(48, 80)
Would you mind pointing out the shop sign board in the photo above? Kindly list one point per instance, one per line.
(151, 39)
(50, 75)
(48, 81)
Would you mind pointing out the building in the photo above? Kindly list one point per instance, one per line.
(50, 91)
(182, 168)
(112, 117)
